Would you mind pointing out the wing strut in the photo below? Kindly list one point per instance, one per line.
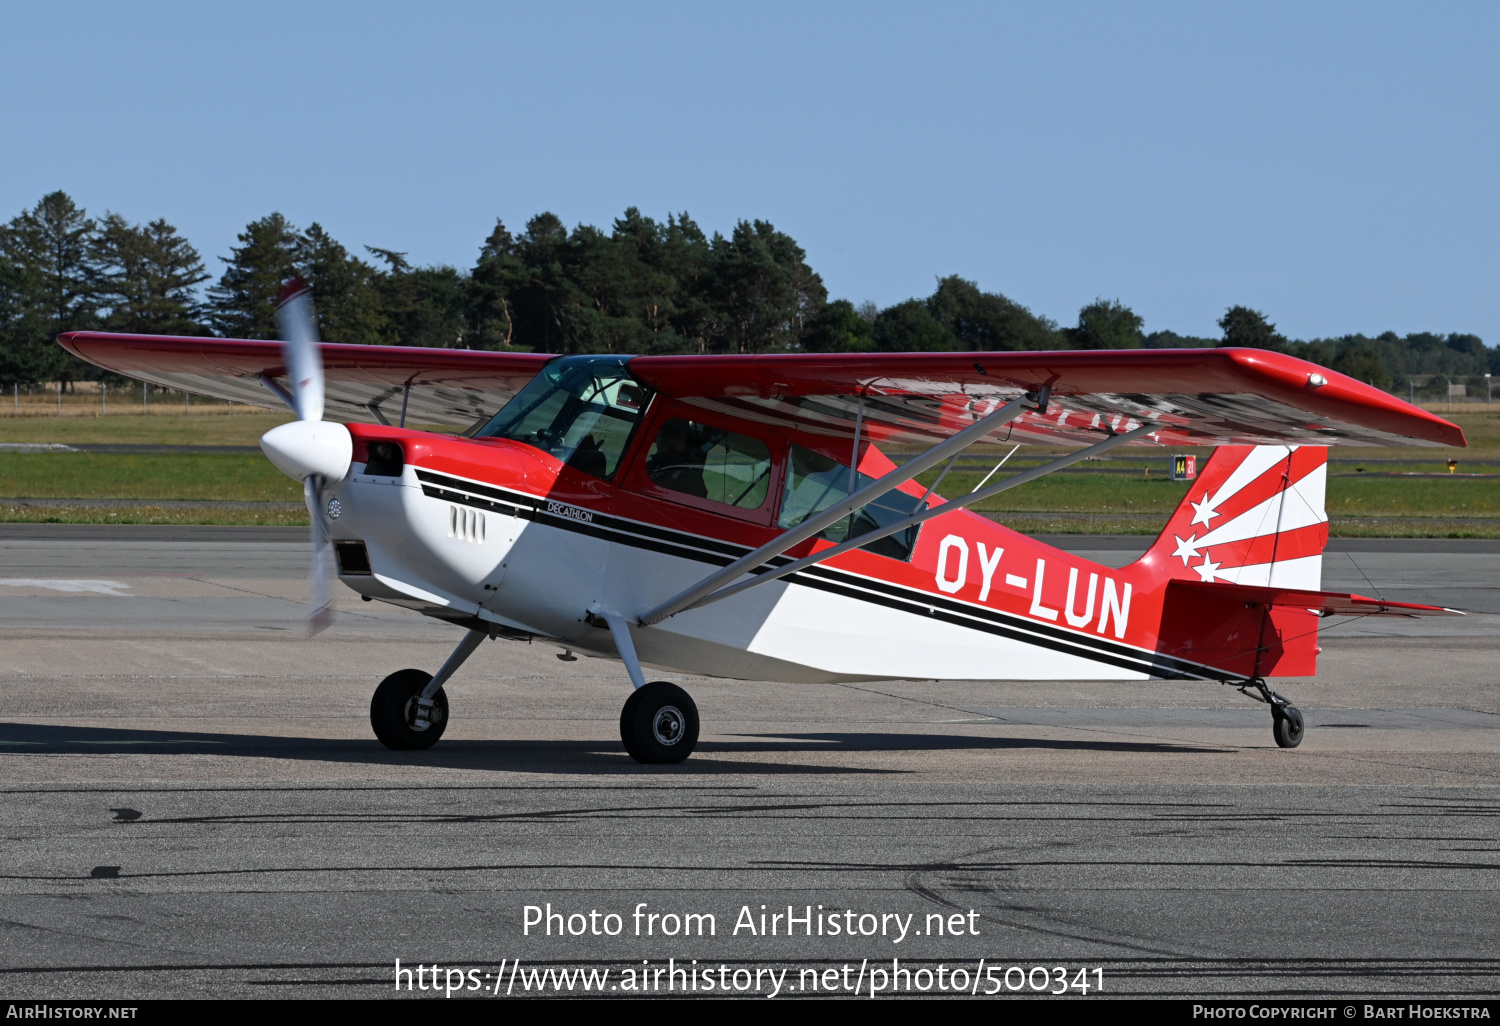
(819, 522)
(901, 525)
(274, 387)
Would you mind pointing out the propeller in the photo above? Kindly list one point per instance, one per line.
(304, 364)
(308, 449)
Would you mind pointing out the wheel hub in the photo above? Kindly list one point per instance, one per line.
(668, 725)
(416, 717)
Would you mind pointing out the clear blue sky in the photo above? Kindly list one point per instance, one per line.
(1332, 164)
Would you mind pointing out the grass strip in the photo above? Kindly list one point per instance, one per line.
(240, 425)
(210, 425)
(244, 477)
(245, 515)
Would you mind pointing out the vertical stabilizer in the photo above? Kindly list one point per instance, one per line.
(1254, 516)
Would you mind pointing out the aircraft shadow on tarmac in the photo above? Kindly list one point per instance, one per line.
(534, 756)
(865, 741)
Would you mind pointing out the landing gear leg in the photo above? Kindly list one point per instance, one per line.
(659, 723)
(1286, 719)
(409, 710)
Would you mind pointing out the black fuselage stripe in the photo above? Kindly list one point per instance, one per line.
(489, 491)
(1100, 644)
(1082, 651)
(881, 593)
(593, 530)
(479, 502)
(729, 549)
(984, 620)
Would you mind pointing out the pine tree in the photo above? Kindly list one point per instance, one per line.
(643, 287)
(52, 244)
(762, 289)
(490, 288)
(686, 254)
(56, 238)
(147, 278)
(27, 352)
(420, 306)
(243, 303)
(546, 298)
(343, 289)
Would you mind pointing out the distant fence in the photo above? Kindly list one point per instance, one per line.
(1439, 390)
(96, 399)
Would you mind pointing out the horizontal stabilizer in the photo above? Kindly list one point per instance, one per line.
(1326, 603)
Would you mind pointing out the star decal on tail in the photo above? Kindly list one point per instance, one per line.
(1186, 549)
(1206, 569)
(1204, 511)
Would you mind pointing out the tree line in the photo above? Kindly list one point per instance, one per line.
(643, 286)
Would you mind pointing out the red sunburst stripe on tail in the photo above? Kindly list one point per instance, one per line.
(1304, 541)
(1275, 478)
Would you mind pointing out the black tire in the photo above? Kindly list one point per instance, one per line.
(394, 707)
(659, 723)
(1286, 725)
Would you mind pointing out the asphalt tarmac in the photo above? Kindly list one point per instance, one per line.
(194, 806)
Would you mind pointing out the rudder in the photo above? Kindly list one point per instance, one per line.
(1255, 515)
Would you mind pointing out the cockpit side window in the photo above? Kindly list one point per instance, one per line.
(814, 482)
(710, 463)
(580, 409)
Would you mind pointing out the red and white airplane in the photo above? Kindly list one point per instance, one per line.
(734, 516)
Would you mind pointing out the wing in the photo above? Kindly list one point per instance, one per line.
(1198, 396)
(447, 387)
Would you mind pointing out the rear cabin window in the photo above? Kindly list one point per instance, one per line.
(814, 482)
(710, 463)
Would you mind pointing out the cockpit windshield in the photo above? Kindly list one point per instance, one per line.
(580, 409)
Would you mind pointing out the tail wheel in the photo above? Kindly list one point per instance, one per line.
(659, 723)
(395, 712)
(1286, 725)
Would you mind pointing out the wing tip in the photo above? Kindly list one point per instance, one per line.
(1389, 412)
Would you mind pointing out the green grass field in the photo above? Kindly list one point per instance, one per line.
(218, 477)
(240, 425)
(263, 515)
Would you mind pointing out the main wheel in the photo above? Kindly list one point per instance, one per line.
(1286, 725)
(659, 723)
(393, 712)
